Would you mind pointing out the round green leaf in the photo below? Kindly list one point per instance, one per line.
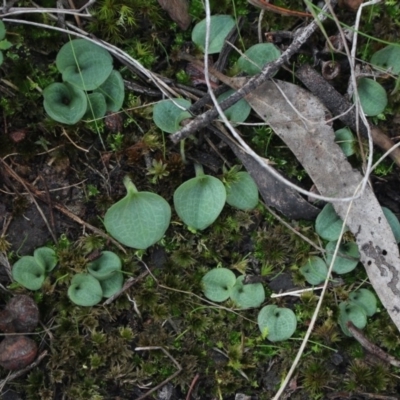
(315, 270)
(2, 30)
(372, 95)
(393, 222)
(138, 220)
(167, 115)
(84, 64)
(199, 201)
(328, 224)
(28, 273)
(96, 107)
(105, 266)
(365, 299)
(220, 26)
(347, 258)
(247, 296)
(46, 258)
(5, 44)
(85, 290)
(388, 58)
(1, 57)
(64, 103)
(112, 284)
(349, 311)
(218, 283)
(114, 91)
(257, 56)
(345, 139)
(242, 193)
(277, 323)
(239, 111)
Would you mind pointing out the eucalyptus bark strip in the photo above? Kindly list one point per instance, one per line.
(301, 125)
(341, 107)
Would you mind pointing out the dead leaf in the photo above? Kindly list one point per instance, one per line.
(312, 141)
(178, 10)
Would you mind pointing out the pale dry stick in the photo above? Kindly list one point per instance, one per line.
(357, 102)
(130, 282)
(241, 53)
(73, 143)
(218, 306)
(296, 293)
(163, 87)
(317, 308)
(176, 373)
(246, 148)
(302, 118)
(259, 27)
(21, 372)
(283, 222)
(50, 190)
(359, 111)
(31, 10)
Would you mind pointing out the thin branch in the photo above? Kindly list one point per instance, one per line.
(267, 72)
(371, 347)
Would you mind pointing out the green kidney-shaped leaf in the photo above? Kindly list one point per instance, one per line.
(349, 311)
(1, 57)
(218, 283)
(64, 103)
(345, 139)
(114, 91)
(220, 26)
(347, 257)
(112, 284)
(239, 111)
(2, 30)
(388, 58)
(256, 57)
(373, 97)
(247, 296)
(278, 323)
(393, 222)
(46, 258)
(96, 107)
(199, 201)
(28, 273)
(328, 224)
(138, 220)
(104, 266)
(5, 44)
(314, 270)
(242, 193)
(167, 115)
(84, 64)
(85, 290)
(365, 299)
